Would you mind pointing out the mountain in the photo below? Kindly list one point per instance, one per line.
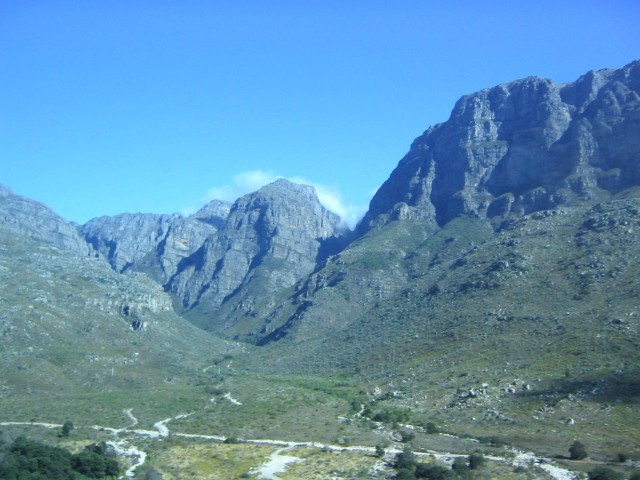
(150, 243)
(27, 217)
(271, 239)
(518, 148)
(74, 331)
(504, 154)
(491, 289)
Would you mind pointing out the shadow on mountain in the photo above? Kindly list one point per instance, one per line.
(615, 387)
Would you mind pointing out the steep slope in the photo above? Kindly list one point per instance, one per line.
(271, 239)
(530, 336)
(86, 341)
(154, 244)
(520, 147)
(27, 217)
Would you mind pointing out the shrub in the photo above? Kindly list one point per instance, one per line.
(431, 427)
(406, 436)
(476, 460)
(406, 460)
(603, 473)
(232, 440)
(66, 428)
(433, 472)
(461, 467)
(577, 451)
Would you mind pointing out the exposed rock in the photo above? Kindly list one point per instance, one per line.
(24, 216)
(272, 238)
(153, 243)
(520, 147)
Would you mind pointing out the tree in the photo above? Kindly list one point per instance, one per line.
(433, 472)
(66, 428)
(577, 451)
(476, 460)
(603, 473)
(379, 451)
(406, 460)
(461, 467)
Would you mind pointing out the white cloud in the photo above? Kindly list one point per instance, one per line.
(241, 184)
(248, 182)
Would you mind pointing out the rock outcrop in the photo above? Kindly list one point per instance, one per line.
(520, 147)
(272, 237)
(153, 243)
(24, 216)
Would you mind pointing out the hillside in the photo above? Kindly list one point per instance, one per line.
(489, 294)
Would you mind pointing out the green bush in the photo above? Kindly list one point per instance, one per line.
(431, 427)
(433, 472)
(476, 460)
(27, 459)
(603, 473)
(66, 428)
(577, 451)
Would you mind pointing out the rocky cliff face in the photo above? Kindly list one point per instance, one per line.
(153, 243)
(27, 217)
(271, 238)
(520, 147)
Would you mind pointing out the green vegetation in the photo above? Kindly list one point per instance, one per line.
(66, 428)
(27, 459)
(577, 451)
(604, 473)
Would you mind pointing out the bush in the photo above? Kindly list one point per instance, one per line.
(27, 459)
(406, 460)
(406, 436)
(433, 472)
(232, 440)
(476, 460)
(431, 427)
(66, 428)
(603, 473)
(577, 451)
(461, 467)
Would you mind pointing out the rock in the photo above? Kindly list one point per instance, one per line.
(155, 244)
(271, 239)
(518, 148)
(24, 216)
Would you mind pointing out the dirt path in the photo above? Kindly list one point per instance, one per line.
(277, 463)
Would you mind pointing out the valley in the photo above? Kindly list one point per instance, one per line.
(487, 304)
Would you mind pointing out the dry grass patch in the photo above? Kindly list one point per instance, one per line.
(317, 464)
(210, 461)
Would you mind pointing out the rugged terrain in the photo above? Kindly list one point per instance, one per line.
(491, 292)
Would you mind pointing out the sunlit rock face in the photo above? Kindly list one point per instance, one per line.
(520, 147)
(27, 217)
(155, 244)
(276, 234)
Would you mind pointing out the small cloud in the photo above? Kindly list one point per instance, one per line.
(241, 184)
(251, 181)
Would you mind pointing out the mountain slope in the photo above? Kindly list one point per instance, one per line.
(33, 219)
(154, 244)
(520, 147)
(271, 239)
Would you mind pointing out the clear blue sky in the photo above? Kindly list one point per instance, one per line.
(155, 106)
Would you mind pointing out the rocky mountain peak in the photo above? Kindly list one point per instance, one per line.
(153, 243)
(517, 148)
(271, 239)
(24, 216)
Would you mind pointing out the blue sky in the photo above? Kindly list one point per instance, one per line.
(158, 106)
